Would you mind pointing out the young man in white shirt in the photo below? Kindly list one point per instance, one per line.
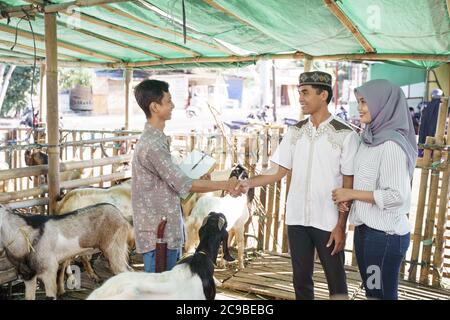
(319, 151)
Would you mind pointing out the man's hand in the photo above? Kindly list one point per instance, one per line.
(233, 187)
(206, 176)
(338, 237)
(240, 188)
(341, 195)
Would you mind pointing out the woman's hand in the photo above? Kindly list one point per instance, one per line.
(344, 206)
(342, 195)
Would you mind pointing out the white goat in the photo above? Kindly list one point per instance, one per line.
(190, 279)
(36, 245)
(119, 196)
(236, 211)
(218, 175)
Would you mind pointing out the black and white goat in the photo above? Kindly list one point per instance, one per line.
(191, 279)
(119, 196)
(236, 211)
(36, 245)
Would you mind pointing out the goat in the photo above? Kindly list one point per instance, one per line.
(36, 245)
(38, 157)
(217, 175)
(235, 209)
(119, 196)
(192, 277)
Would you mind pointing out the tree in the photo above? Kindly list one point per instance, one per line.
(4, 80)
(15, 89)
(68, 78)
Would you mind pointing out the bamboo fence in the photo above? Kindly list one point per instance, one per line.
(427, 261)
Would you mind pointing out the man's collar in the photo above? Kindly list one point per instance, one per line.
(154, 130)
(324, 123)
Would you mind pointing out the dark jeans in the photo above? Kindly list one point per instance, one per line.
(379, 257)
(302, 242)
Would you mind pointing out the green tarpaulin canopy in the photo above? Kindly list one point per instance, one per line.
(219, 32)
(400, 75)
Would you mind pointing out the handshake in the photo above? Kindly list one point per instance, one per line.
(237, 188)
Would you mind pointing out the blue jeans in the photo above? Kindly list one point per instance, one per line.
(173, 255)
(379, 257)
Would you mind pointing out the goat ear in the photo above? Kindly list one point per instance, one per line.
(205, 220)
(221, 223)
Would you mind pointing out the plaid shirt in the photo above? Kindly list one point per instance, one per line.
(157, 186)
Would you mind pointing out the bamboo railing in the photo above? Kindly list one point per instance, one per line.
(425, 262)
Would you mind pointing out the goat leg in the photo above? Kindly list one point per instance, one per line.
(240, 246)
(30, 289)
(62, 277)
(49, 280)
(88, 268)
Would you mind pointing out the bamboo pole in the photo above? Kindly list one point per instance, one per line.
(101, 140)
(295, 56)
(115, 154)
(95, 180)
(43, 188)
(224, 153)
(42, 113)
(434, 184)
(102, 167)
(52, 8)
(438, 258)
(263, 191)
(61, 63)
(63, 166)
(98, 36)
(8, 11)
(271, 200)
(72, 165)
(276, 216)
(235, 150)
(128, 78)
(428, 238)
(66, 45)
(30, 50)
(167, 30)
(248, 164)
(128, 132)
(27, 203)
(52, 108)
(342, 17)
(418, 229)
(91, 156)
(19, 164)
(144, 36)
(233, 58)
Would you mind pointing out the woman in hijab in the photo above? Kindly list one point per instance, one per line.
(381, 193)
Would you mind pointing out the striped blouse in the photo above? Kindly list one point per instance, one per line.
(384, 170)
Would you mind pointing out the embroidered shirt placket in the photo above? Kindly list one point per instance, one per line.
(312, 137)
